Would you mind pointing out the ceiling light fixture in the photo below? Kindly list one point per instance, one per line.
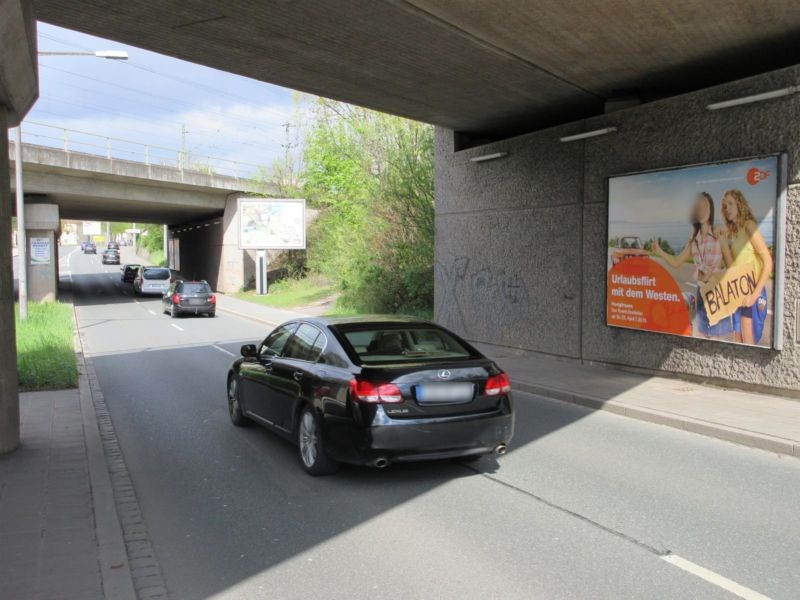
(788, 91)
(588, 134)
(485, 157)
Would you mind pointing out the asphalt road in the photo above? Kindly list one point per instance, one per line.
(585, 505)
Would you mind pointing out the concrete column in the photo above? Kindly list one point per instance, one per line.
(42, 228)
(9, 395)
(19, 88)
(236, 266)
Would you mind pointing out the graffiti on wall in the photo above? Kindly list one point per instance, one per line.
(484, 292)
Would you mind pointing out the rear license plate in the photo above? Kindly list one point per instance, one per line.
(196, 301)
(443, 393)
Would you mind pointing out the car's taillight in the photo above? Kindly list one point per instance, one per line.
(375, 393)
(498, 384)
(213, 299)
(176, 299)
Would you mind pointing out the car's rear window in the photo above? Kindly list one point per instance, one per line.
(195, 288)
(159, 274)
(412, 344)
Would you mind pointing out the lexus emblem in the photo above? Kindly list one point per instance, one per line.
(443, 374)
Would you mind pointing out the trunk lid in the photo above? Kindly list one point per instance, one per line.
(437, 389)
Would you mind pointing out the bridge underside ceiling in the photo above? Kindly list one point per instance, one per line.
(490, 68)
(82, 208)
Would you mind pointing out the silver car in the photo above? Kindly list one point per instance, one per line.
(151, 280)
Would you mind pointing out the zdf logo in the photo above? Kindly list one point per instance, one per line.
(755, 176)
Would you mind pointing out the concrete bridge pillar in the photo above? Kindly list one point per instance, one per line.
(18, 91)
(42, 225)
(9, 397)
(237, 266)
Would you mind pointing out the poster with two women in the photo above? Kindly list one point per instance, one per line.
(692, 251)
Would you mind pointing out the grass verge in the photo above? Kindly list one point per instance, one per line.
(158, 259)
(291, 293)
(45, 350)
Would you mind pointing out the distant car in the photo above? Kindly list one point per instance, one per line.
(129, 272)
(189, 298)
(110, 257)
(151, 280)
(372, 391)
(90, 248)
(83, 246)
(112, 246)
(627, 247)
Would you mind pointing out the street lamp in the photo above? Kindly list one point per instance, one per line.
(22, 241)
(110, 54)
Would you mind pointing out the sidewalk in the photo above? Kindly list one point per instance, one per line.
(54, 526)
(255, 312)
(756, 420)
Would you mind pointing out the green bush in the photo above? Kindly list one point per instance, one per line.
(45, 347)
(157, 258)
(371, 177)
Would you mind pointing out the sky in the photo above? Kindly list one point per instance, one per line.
(658, 204)
(149, 98)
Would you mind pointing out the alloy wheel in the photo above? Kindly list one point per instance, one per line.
(308, 439)
(233, 398)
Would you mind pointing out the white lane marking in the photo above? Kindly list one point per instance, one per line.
(718, 580)
(177, 327)
(222, 350)
(150, 311)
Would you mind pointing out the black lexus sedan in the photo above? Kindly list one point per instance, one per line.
(372, 391)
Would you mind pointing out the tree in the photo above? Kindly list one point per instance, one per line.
(371, 176)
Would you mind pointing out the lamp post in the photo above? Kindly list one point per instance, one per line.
(22, 241)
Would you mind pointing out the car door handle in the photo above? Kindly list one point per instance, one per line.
(298, 375)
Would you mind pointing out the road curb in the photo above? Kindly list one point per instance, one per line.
(246, 316)
(112, 556)
(128, 563)
(735, 435)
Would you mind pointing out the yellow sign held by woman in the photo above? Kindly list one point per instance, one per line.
(725, 293)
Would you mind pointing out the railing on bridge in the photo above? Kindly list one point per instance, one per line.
(74, 140)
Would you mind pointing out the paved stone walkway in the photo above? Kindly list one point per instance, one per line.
(48, 545)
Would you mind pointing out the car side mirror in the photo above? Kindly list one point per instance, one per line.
(249, 350)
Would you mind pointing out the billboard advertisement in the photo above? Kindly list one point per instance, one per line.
(272, 224)
(692, 251)
(92, 228)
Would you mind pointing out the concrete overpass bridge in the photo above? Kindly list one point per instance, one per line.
(198, 205)
(91, 187)
(521, 240)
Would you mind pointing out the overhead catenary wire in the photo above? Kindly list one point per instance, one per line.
(170, 76)
(116, 113)
(257, 122)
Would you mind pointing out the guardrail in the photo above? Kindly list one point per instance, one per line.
(74, 140)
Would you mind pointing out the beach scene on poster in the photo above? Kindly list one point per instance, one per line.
(272, 224)
(691, 251)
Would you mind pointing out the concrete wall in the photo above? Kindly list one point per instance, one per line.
(521, 241)
(210, 250)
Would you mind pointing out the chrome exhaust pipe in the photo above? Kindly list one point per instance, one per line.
(381, 463)
(500, 449)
